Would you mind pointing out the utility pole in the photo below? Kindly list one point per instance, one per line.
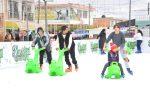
(46, 25)
(39, 5)
(148, 8)
(2, 20)
(4, 9)
(129, 15)
(27, 17)
(89, 14)
(149, 16)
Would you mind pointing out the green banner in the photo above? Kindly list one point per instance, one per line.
(94, 47)
(131, 45)
(82, 48)
(1, 54)
(20, 54)
(149, 43)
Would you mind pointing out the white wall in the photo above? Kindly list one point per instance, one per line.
(8, 49)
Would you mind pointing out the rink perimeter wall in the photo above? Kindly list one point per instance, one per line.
(12, 53)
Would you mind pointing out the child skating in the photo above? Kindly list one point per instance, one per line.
(113, 56)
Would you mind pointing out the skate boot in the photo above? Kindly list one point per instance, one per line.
(129, 71)
(126, 59)
(41, 66)
(102, 76)
(76, 68)
(122, 76)
(69, 69)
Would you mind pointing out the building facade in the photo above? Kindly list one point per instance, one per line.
(64, 14)
(13, 14)
(143, 23)
(105, 22)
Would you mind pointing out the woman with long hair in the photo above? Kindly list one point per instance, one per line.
(139, 39)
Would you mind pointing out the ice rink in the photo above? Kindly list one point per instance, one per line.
(15, 84)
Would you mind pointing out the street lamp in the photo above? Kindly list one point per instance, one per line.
(149, 16)
(39, 11)
(46, 25)
(129, 16)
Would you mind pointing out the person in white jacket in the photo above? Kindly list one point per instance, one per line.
(139, 39)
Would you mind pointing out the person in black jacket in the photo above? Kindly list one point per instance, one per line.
(102, 40)
(65, 40)
(43, 42)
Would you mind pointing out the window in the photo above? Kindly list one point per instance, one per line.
(1, 20)
(27, 10)
(1, 6)
(79, 12)
(1, 14)
(85, 14)
(30, 16)
(23, 10)
(13, 9)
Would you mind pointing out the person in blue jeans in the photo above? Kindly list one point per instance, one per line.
(118, 38)
(42, 40)
(139, 39)
(113, 56)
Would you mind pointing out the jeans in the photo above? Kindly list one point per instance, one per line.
(138, 45)
(72, 54)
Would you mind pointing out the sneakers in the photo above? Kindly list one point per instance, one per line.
(138, 52)
(102, 52)
(126, 59)
(129, 71)
(76, 68)
(123, 76)
(69, 69)
(102, 76)
(41, 66)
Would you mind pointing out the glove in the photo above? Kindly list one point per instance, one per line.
(33, 47)
(106, 48)
(43, 47)
(57, 49)
(66, 49)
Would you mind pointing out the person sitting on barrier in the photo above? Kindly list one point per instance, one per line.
(113, 56)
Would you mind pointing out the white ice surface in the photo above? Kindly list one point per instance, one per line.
(86, 84)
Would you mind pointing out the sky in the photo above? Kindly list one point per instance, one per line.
(114, 8)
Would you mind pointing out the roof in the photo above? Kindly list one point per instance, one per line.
(71, 5)
(111, 18)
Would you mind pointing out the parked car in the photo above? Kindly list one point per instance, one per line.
(80, 34)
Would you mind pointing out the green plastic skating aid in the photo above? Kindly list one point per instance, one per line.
(128, 48)
(32, 65)
(113, 71)
(56, 66)
(107, 49)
